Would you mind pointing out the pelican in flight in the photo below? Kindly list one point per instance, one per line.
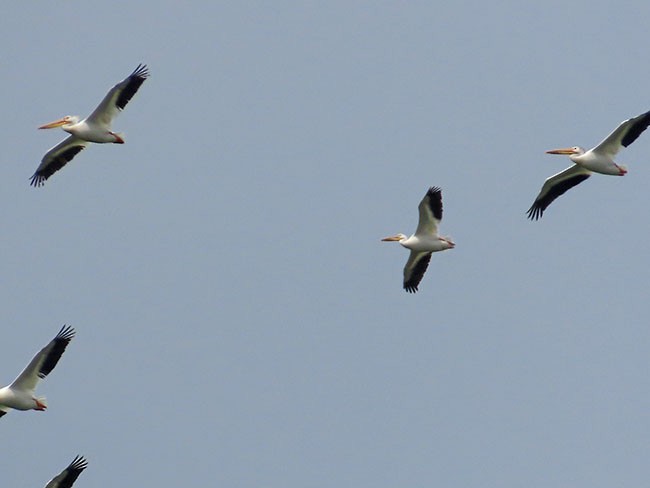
(67, 477)
(94, 128)
(20, 394)
(425, 240)
(599, 159)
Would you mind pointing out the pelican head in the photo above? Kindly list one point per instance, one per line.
(569, 151)
(67, 120)
(395, 238)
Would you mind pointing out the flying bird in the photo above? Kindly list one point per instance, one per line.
(425, 240)
(20, 394)
(599, 159)
(67, 477)
(94, 128)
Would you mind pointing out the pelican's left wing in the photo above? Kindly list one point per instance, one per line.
(430, 209)
(414, 269)
(56, 158)
(67, 477)
(45, 360)
(624, 135)
(118, 96)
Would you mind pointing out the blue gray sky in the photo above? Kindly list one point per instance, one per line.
(239, 323)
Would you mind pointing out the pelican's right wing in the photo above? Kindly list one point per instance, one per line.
(56, 158)
(415, 268)
(555, 186)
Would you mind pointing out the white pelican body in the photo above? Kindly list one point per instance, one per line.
(94, 128)
(599, 159)
(425, 241)
(421, 243)
(20, 394)
(86, 130)
(591, 160)
(67, 477)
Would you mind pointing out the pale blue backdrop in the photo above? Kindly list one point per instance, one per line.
(240, 324)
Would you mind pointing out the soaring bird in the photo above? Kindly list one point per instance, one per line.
(67, 477)
(425, 240)
(20, 394)
(599, 159)
(94, 128)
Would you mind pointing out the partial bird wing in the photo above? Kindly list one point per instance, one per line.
(555, 186)
(3, 411)
(56, 158)
(624, 135)
(43, 363)
(415, 268)
(430, 209)
(67, 477)
(117, 97)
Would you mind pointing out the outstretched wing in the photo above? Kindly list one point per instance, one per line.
(625, 134)
(67, 477)
(45, 360)
(414, 269)
(430, 209)
(555, 186)
(117, 97)
(56, 158)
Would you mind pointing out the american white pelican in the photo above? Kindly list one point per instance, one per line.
(67, 477)
(94, 128)
(20, 394)
(425, 240)
(599, 159)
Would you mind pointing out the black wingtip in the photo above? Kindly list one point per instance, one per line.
(59, 345)
(37, 180)
(535, 212)
(133, 83)
(434, 195)
(142, 71)
(66, 333)
(79, 463)
(637, 129)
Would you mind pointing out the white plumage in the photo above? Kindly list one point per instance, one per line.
(425, 241)
(20, 394)
(599, 159)
(94, 128)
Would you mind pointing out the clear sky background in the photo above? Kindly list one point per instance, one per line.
(240, 324)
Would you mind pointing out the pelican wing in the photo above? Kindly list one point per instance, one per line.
(56, 158)
(414, 269)
(117, 97)
(555, 186)
(45, 360)
(430, 209)
(67, 477)
(624, 135)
